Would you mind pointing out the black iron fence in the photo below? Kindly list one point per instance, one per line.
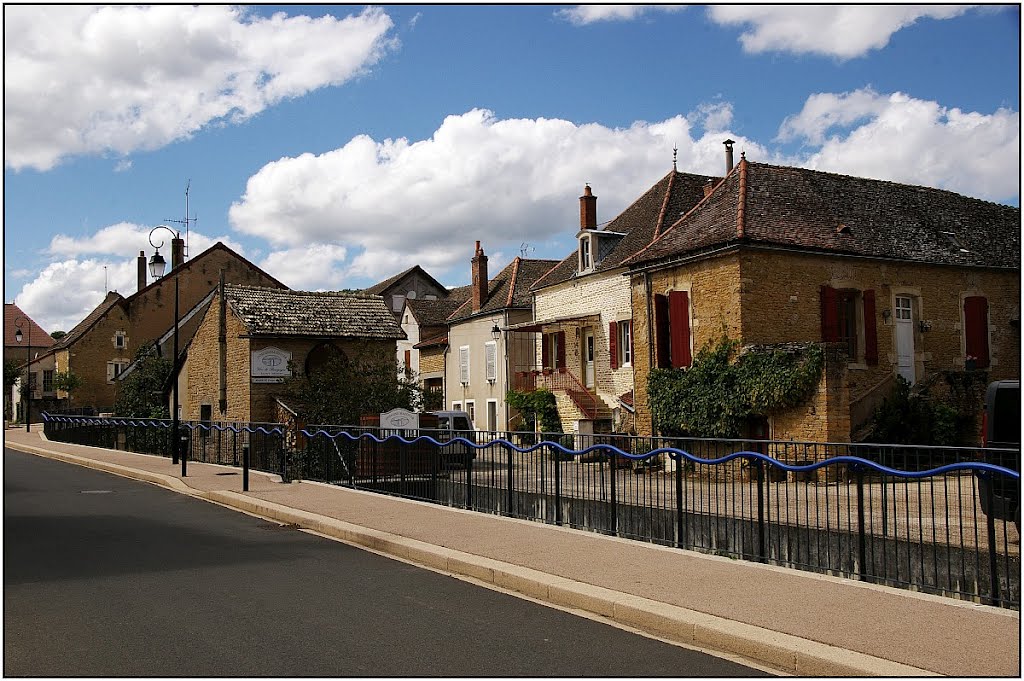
(935, 519)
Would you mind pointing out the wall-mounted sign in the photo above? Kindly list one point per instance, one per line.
(400, 419)
(269, 365)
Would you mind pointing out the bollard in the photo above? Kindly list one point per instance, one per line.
(245, 467)
(184, 452)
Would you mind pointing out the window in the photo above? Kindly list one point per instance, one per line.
(114, 368)
(464, 365)
(585, 259)
(492, 415)
(408, 362)
(471, 410)
(976, 330)
(491, 360)
(456, 406)
(903, 308)
(672, 329)
(848, 318)
(620, 343)
(430, 296)
(553, 350)
(120, 340)
(47, 380)
(397, 301)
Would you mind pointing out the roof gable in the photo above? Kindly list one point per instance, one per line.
(113, 298)
(510, 288)
(382, 287)
(639, 224)
(831, 213)
(40, 338)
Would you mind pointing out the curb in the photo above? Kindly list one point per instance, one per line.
(784, 652)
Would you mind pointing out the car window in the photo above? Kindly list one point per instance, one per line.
(442, 422)
(461, 423)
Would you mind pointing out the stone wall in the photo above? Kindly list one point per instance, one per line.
(88, 359)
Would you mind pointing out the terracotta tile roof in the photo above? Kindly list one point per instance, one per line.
(40, 338)
(840, 214)
(510, 288)
(441, 339)
(380, 287)
(641, 222)
(436, 312)
(329, 314)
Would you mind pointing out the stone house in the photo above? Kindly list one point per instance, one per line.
(414, 283)
(103, 344)
(477, 352)
(427, 320)
(898, 279)
(42, 367)
(251, 339)
(582, 328)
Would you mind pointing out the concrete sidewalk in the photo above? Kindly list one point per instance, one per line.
(795, 622)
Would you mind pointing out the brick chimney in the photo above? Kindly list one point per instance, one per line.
(708, 187)
(728, 155)
(142, 270)
(479, 285)
(588, 209)
(177, 252)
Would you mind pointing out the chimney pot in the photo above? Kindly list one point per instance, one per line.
(588, 209)
(177, 252)
(728, 155)
(479, 270)
(142, 270)
(708, 187)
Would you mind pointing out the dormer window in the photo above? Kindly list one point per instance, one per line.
(586, 258)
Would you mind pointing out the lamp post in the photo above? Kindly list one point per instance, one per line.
(28, 369)
(157, 264)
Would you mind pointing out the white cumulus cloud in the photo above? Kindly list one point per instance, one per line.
(86, 79)
(582, 15)
(843, 31)
(478, 177)
(897, 137)
(311, 267)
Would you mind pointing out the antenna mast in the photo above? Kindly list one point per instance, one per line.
(187, 219)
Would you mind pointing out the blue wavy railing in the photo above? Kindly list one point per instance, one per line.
(675, 453)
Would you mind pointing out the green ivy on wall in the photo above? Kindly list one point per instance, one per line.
(727, 385)
(537, 407)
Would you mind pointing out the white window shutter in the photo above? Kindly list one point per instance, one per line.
(464, 364)
(491, 354)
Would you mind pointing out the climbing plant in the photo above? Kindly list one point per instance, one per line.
(728, 384)
(537, 407)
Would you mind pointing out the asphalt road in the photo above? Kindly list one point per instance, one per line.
(105, 576)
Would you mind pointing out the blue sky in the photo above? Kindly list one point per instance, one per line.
(335, 146)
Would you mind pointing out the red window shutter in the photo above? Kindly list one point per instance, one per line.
(632, 357)
(613, 345)
(870, 329)
(561, 349)
(679, 319)
(545, 351)
(976, 329)
(661, 332)
(408, 359)
(829, 315)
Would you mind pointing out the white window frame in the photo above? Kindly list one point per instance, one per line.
(624, 342)
(120, 340)
(491, 427)
(586, 253)
(456, 406)
(464, 364)
(491, 361)
(471, 410)
(115, 367)
(397, 301)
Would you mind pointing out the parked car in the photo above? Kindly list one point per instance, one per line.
(1000, 495)
(450, 425)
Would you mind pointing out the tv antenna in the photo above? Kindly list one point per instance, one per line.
(187, 220)
(525, 249)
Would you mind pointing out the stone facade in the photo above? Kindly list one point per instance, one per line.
(94, 343)
(247, 401)
(765, 297)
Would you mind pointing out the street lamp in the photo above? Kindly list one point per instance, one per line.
(157, 264)
(28, 369)
(495, 332)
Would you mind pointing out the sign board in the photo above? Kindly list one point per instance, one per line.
(400, 419)
(269, 363)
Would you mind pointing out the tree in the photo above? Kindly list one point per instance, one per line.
(11, 375)
(57, 335)
(141, 393)
(67, 382)
(343, 389)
